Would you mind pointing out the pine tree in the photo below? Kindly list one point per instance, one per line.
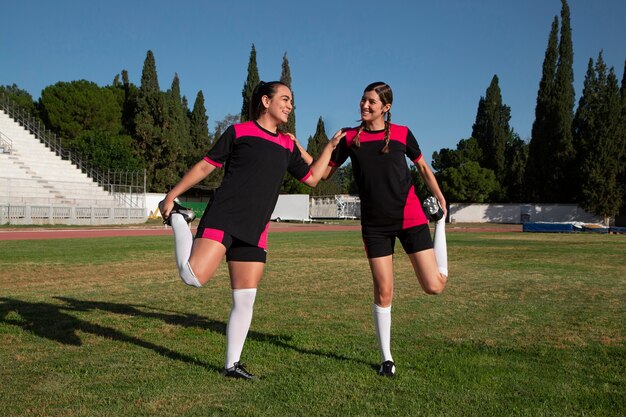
(20, 97)
(491, 129)
(285, 78)
(251, 82)
(538, 163)
(597, 136)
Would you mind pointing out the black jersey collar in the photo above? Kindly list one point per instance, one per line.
(265, 130)
(373, 131)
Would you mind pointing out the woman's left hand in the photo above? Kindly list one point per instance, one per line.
(337, 137)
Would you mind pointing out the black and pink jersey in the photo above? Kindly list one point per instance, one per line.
(255, 161)
(385, 186)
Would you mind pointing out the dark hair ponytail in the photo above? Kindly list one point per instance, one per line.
(256, 108)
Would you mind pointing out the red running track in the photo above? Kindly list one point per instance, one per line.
(32, 234)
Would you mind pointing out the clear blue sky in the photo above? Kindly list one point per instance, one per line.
(438, 56)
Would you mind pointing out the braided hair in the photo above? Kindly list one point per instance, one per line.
(386, 97)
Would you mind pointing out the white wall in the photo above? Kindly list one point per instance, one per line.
(291, 207)
(519, 213)
(152, 204)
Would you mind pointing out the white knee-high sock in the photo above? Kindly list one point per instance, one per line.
(441, 247)
(382, 321)
(239, 324)
(183, 241)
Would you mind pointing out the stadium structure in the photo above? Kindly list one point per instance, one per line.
(42, 183)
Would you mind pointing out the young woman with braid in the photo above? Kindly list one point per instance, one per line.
(389, 207)
(255, 156)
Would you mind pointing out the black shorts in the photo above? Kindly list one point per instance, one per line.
(380, 242)
(236, 249)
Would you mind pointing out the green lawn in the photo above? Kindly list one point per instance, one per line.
(530, 325)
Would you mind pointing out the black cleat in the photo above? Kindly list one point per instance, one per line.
(187, 213)
(432, 209)
(388, 369)
(237, 371)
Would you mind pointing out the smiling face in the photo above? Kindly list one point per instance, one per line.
(373, 110)
(280, 105)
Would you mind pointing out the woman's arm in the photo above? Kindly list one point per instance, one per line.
(329, 172)
(431, 182)
(305, 155)
(197, 173)
(319, 168)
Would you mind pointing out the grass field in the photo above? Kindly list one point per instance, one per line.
(530, 325)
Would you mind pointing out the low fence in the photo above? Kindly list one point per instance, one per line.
(70, 215)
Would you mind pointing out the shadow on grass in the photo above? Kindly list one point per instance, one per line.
(53, 321)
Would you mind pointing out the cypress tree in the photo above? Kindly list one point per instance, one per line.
(290, 184)
(251, 82)
(199, 129)
(560, 186)
(129, 106)
(186, 105)
(622, 135)
(583, 124)
(623, 99)
(149, 78)
(314, 147)
(318, 140)
(597, 131)
(149, 122)
(491, 129)
(516, 157)
(285, 78)
(175, 142)
(538, 163)
(551, 148)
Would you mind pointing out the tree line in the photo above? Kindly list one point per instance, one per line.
(125, 127)
(571, 157)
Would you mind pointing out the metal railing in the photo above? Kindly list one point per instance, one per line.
(341, 206)
(6, 144)
(122, 191)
